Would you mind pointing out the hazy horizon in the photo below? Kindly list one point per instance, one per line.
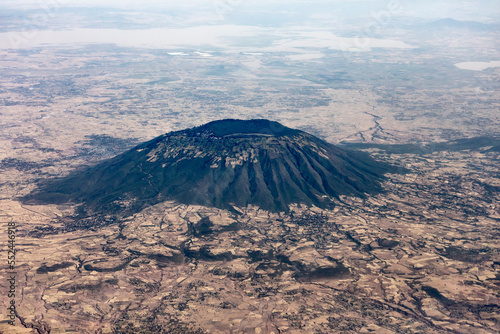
(476, 10)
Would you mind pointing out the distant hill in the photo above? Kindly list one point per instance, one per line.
(484, 143)
(222, 164)
(449, 23)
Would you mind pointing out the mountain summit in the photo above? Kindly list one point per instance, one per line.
(223, 164)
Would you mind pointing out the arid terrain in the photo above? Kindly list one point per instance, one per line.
(420, 257)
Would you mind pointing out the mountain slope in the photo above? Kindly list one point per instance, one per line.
(223, 164)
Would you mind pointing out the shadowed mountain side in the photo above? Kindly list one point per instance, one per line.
(223, 164)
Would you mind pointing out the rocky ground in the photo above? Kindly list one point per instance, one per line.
(422, 257)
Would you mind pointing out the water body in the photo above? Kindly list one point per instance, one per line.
(478, 66)
(227, 37)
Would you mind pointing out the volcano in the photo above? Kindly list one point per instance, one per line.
(224, 164)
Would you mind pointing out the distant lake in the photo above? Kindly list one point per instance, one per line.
(478, 66)
(213, 37)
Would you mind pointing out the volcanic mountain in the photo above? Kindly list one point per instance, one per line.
(223, 164)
